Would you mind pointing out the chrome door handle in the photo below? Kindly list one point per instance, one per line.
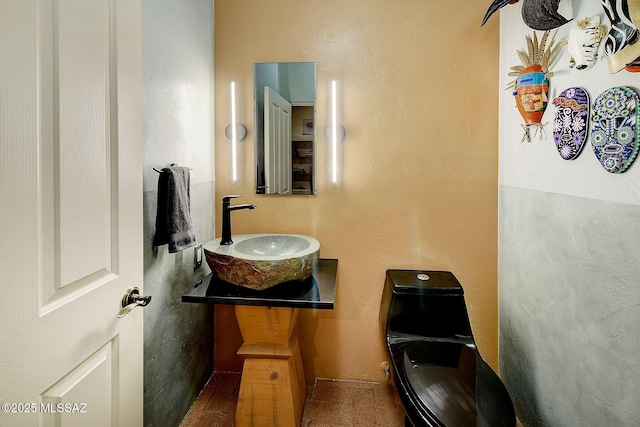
(131, 300)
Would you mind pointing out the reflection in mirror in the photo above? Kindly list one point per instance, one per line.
(285, 98)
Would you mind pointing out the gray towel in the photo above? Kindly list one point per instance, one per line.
(173, 218)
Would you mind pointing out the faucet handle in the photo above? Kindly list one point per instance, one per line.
(229, 197)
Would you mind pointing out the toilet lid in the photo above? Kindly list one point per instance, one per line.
(442, 375)
(424, 282)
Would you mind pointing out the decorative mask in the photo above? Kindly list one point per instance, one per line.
(537, 14)
(614, 128)
(495, 6)
(571, 122)
(584, 41)
(623, 31)
(633, 66)
(532, 85)
(621, 43)
(531, 94)
(542, 14)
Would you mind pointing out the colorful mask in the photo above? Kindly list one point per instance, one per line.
(531, 94)
(532, 85)
(571, 122)
(614, 128)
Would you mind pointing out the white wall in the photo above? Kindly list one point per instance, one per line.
(178, 88)
(569, 294)
(537, 165)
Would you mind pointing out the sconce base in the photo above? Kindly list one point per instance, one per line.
(241, 131)
(342, 132)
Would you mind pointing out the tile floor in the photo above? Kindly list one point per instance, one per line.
(329, 403)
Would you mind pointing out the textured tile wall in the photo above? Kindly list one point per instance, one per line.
(569, 296)
(178, 337)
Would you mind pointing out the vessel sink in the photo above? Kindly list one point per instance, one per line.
(261, 261)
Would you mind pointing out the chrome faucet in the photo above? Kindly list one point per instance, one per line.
(226, 217)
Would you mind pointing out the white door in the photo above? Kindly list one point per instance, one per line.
(70, 212)
(277, 144)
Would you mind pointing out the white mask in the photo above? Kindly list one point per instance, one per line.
(584, 41)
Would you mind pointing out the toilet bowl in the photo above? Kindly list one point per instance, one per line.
(441, 377)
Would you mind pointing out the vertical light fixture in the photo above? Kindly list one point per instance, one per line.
(234, 134)
(334, 132)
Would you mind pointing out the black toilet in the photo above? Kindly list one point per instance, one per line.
(440, 375)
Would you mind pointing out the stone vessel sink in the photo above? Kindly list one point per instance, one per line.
(261, 261)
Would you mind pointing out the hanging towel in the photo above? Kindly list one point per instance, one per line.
(173, 218)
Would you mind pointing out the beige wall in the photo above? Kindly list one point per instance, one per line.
(418, 82)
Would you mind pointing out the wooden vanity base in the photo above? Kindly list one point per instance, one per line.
(273, 388)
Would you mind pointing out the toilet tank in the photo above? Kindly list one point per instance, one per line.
(423, 303)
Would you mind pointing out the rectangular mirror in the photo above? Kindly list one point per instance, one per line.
(285, 101)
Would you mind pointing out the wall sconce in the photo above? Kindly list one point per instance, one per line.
(334, 132)
(234, 132)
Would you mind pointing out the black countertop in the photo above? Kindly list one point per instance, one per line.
(318, 291)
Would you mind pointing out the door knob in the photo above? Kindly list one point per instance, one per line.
(131, 300)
